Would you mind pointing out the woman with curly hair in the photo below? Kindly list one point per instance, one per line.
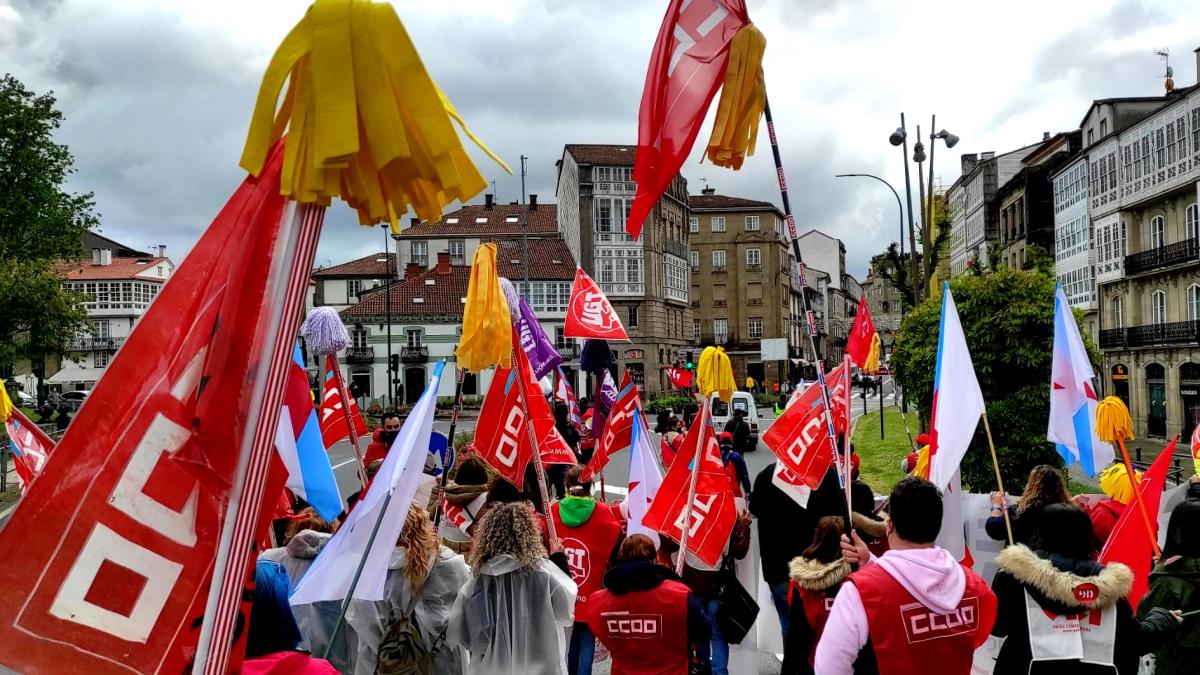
(423, 581)
(1046, 486)
(510, 616)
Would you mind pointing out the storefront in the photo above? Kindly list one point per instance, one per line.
(1156, 395)
(1120, 382)
(1189, 392)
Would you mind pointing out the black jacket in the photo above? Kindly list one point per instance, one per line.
(801, 637)
(1024, 525)
(739, 428)
(785, 528)
(643, 576)
(1051, 582)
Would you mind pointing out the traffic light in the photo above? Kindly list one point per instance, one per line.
(691, 363)
(394, 363)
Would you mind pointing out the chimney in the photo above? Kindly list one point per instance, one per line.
(709, 191)
(969, 160)
(489, 200)
(532, 202)
(412, 222)
(411, 270)
(1197, 52)
(1045, 135)
(162, 250)
(443, 263)
(106, 256)
(985, 156)
(95, 256)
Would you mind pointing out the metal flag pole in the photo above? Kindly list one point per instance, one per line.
(460, 373)
(848, 479)
(538, 467)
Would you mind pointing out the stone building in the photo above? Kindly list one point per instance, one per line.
(885, 304)
(974, 209)
(646, 279)
(1027, 201)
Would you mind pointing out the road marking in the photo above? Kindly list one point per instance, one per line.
(338, 466)
(617, 490)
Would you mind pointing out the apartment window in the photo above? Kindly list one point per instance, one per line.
(1091, 137)
(458, 252)
(694, 259)
(693, 224)
(1103, 128)
(675, 279)
(718, 261)
(633, 316)
(420, 252)
(696, 331)
(1158, 307)
(620, 266)
(751, 223)
(754, 328)
(353, 288)
(1118, 313)
(1160, 149)
(414, 337)
(753, 259)
(720, 331)
(358, 338)
(100, 359)
(1193, 302)
(883, 307)
(100, 329)
(1157, 231)
(1192, 218)
(718, 223)
(778, 226)
(160, 270)
(1196, 131)
(560, 337)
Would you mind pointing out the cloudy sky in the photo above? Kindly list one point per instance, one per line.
(157, 93)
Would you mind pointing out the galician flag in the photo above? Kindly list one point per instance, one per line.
(1073, 401)
(644, 477)
(957, 400)
(298, 442)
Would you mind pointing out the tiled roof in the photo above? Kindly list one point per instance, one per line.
(367, 266)
(604, 155)
(121, 268)
(550, 260)
(500, 219)
(724, 203)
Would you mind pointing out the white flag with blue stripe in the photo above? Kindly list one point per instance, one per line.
(1073, 400)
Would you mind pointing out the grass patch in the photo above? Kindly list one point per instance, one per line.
(880, 459)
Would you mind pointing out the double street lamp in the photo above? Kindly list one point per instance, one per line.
(899, 137)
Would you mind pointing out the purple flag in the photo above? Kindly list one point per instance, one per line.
(543, 357)
(606, 398)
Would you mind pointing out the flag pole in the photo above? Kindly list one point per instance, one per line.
(1137, 496)
(846, 463)
(687, 510)
(538, 467)
(441, 482)
(999, 481)
(340, 383)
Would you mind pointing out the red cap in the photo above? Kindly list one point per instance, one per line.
(923, 439)
(725, 436)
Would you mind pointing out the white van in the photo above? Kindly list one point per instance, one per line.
(722, 412)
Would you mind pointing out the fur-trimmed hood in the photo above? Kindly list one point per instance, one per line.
(869, 525)
(814, 575)
(1052, 580)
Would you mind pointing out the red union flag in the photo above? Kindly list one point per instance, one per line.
(333, 420)
(618, 428)
(713, 512)
(500, 436)
(589, 314)
(858, 344)
(109, 557)
(30, 447)
(800, 438)
(686, 69)
(839, 393)
(680, 378)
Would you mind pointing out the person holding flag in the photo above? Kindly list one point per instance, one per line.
(1046, 486)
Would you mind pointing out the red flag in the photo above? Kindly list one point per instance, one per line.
(618, 428)
(589, 314)
(500, 436)
(680, 378)
(713, 512)
(686, 69)
(1129, 542)
(333, 420)
(858, 344)
(29, 445)
(800, 438)
(108, 559)
(839, 389)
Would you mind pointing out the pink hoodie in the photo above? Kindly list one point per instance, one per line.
(931, 575)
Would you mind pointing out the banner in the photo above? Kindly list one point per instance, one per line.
(109, 557)
(333, 420)
(800, 438)
(679, 378)
(543, 357)
(589, 314)
(617, 434)
(862, 333)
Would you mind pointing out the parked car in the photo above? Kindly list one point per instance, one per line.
(74, 399)
(26, 399)
(742, 400)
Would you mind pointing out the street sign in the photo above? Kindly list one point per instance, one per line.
(774, 349)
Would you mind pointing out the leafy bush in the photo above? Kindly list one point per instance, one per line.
(1008, 318)
(670, 402)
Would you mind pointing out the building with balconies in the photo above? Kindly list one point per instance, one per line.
(739, 249)
(342, 285)
(646, 278)
(1143, 206)
(975, 209)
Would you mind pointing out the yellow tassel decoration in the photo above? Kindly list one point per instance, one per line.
(1113, 424)
(364, 120)
(714, 373)
(1114, 482)
(487, 326)
(743, 97)
(922, 469)
(871, 365)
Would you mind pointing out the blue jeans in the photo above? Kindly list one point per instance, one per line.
(718, 649)
(582, 650)
(779, 594)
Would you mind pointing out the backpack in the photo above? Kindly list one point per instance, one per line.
(403, 651)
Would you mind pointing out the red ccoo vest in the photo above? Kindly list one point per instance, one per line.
(645, 631)
(817, 605)
(588, 548)
(907, 636)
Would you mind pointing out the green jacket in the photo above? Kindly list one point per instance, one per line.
(1176, 585)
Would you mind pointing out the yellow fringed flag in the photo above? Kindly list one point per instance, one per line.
(715, 373)
(872, 364)
(364, 119)
(487, 325)
(1113, 424)
(743, 96)
(6, 404)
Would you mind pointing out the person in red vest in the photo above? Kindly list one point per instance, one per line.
(382, 439)
(816, 575)
(644, 615)
(914, 606)
(590, 536)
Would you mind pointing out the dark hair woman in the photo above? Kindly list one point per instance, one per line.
(1045, 486)
(816, 576)
(1175, 583)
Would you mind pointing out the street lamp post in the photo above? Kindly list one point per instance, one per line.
(898, 204)
(927, 241)
(900, 137)
(919, 158)
(387, 290)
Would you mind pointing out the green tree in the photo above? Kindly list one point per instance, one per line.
(40, 225)
(1008, 318)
